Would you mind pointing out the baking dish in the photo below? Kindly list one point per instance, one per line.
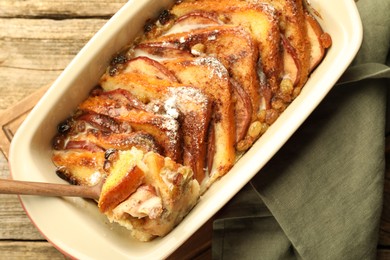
(75, 226)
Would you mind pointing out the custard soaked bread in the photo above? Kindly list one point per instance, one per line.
(208, 77)
(188, 104)
(177, 107)
(236, 50)
(147, 193)
(233, 46)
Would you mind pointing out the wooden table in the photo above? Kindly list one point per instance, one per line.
(38, 38)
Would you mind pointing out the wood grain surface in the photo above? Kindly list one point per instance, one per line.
(38, 38)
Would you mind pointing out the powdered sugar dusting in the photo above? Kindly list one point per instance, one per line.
(189, 94)
(170, 107)
(171, 127)
(217, 67)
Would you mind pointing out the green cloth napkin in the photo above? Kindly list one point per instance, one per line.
(320, 196)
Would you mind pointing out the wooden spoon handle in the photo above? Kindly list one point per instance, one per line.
(47, 189)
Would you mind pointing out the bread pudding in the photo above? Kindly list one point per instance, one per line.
(177, 107)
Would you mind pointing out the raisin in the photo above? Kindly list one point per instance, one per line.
(119, 59)
(113, 71)
(64, 174)
(148, 26)
(58, 142)
(164, 17)
(108, 153)
(64, 127)
(96, 91)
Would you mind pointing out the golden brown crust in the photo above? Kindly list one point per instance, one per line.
(121, 189)
(318, 40)
(79, 167)
(123, 141)
(149, 67)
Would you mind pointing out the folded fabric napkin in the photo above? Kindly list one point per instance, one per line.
(320, 196)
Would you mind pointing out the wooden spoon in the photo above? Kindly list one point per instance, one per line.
(50, 189)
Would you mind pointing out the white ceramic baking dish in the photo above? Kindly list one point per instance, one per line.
(74, 225)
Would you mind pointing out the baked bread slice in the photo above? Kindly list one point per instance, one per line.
(124, 141)
(149, 67)
(147, 193)
(319, 40)
(191, 20)
(124, 177)
(79, 166)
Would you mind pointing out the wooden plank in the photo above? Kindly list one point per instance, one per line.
(15, 225)
(29, 250)
(59, 9)
(45, 31)
(23, 43)
(43, 44)
(11, 118)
